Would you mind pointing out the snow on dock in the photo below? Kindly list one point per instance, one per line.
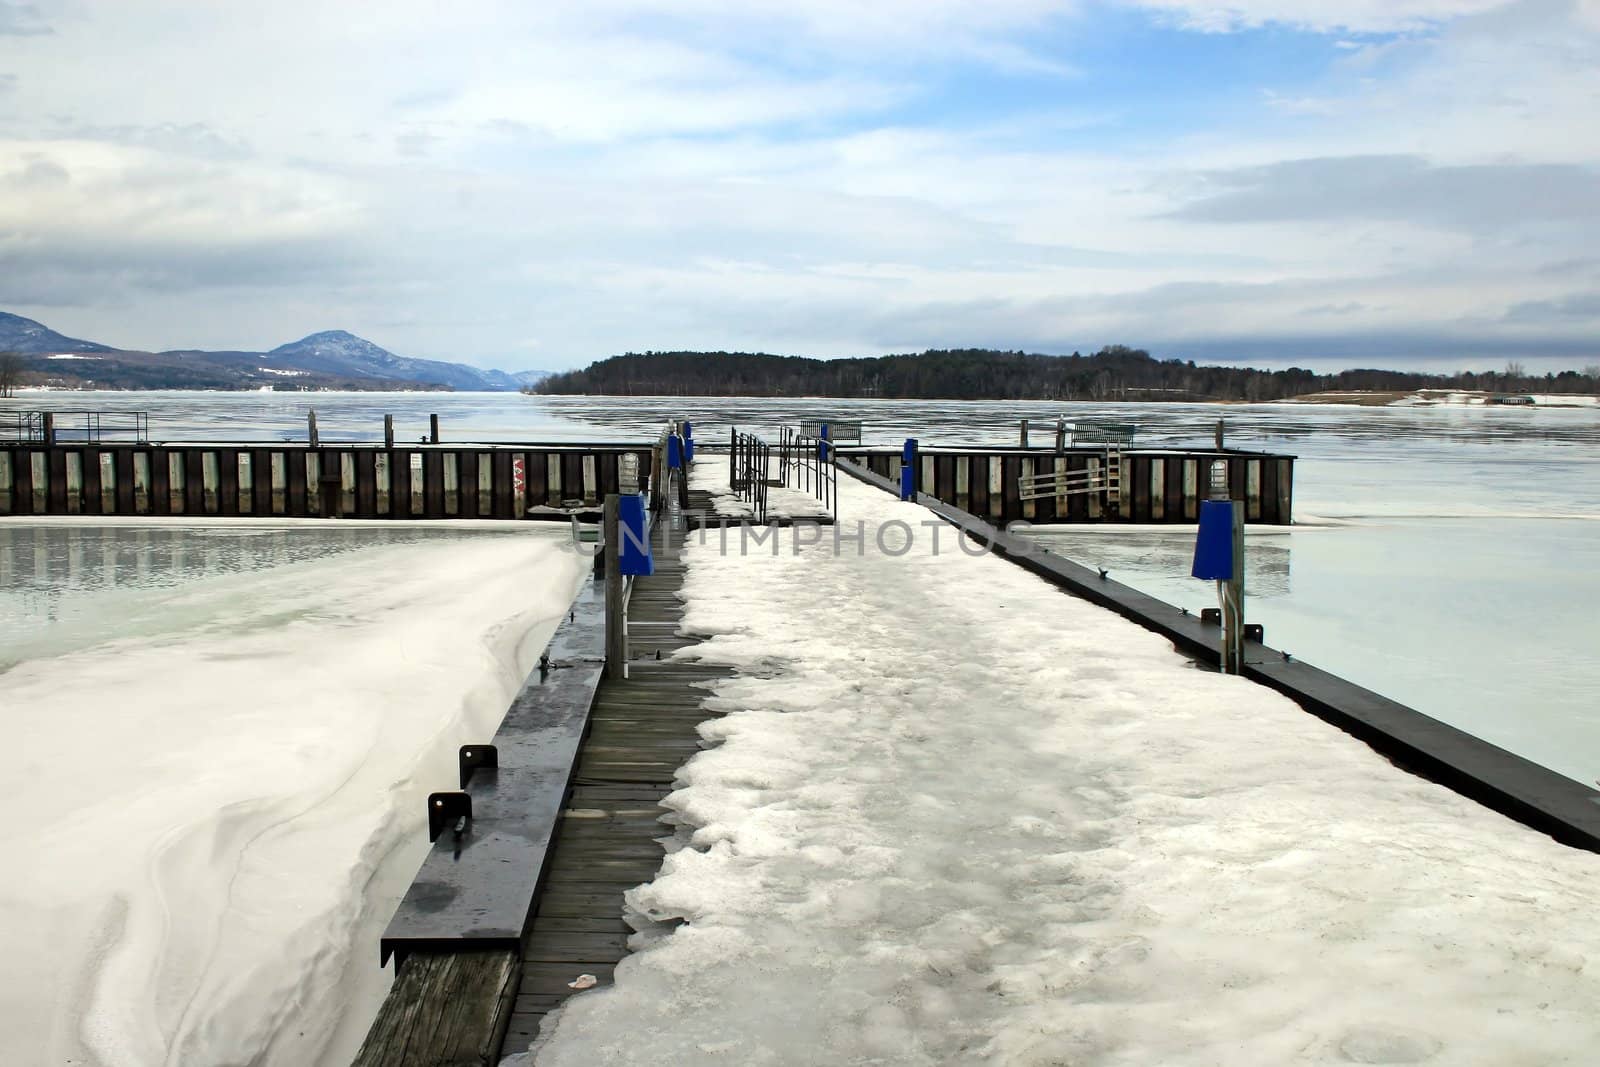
(957, 816)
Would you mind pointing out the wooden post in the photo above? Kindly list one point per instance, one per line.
(1233, 601)
(1061, 436)
(658, 471)
(433, 429)
(1219, 435)
(1024, 433)
(616, 610)
(388, 431)
(311, 426)
(445, 1007)
(48, 428)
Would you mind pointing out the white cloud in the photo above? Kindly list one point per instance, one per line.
(622, 174)
(1331, 16)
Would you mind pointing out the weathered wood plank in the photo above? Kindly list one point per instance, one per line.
(448, 1008)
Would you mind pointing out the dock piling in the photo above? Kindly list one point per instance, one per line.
(616, 604)
(1233, 600)
(311, 426)
(388, 431)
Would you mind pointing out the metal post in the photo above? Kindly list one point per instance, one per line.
(616, 609)
(433, 429)
(388, 431)
(1024, 433)
(733, 455)
(311, 426)
(1233, 601)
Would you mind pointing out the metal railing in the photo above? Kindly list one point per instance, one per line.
(749, 471)
(839, 431)
(1112, 434)
(52, 427)
(815, 468)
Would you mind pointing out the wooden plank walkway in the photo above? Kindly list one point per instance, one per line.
(642, 729)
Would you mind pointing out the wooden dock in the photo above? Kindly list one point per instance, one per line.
(469, 1000)
(641, 730)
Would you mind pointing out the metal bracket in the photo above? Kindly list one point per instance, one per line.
(445, 809)
(471, 757)
(1253, 631)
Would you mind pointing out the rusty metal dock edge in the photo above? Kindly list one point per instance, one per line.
(1534, 795)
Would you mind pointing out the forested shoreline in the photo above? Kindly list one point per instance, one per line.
(1113, 373)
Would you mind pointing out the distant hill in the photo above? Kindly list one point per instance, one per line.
(29, 338)
(1113, 373)
(332, 359)
(340, 353)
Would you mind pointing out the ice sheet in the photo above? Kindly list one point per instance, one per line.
(210, 817)
(960, 817)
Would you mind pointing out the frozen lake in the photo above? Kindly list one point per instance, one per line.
(1445, 558)
(220, 738)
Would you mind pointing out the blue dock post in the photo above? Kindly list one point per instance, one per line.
(908, 470)
(1219, 557)
(634, 558)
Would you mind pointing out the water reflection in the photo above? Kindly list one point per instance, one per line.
(64, 587)
(1139, 555)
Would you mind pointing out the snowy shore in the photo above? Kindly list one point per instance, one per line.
(957, 816)
(214, 814)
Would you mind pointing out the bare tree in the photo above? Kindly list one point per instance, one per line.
(1592, 372)
(1515, 370)
(10, 373)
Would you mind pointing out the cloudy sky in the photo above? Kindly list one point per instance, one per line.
(519, 183)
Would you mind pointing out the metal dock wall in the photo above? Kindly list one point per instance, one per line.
(1156, 486)
(341, 481)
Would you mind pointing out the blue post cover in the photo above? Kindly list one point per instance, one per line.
(688, 448)
(688, 429)
(1213, 545)
(908, 455)
(908, 470)
(633, 554)
(674, 452)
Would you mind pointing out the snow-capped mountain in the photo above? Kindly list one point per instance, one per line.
(29, 338)
(333, 359)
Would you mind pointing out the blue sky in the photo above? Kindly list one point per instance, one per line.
(1372, 182)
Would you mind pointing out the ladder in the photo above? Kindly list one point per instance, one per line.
(1106, 478)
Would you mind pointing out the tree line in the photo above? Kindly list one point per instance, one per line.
(1113, 373)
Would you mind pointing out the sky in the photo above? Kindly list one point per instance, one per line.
(535, 185)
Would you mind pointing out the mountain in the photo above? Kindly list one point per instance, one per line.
(339, 353)
(29, 338)
(333, 359)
